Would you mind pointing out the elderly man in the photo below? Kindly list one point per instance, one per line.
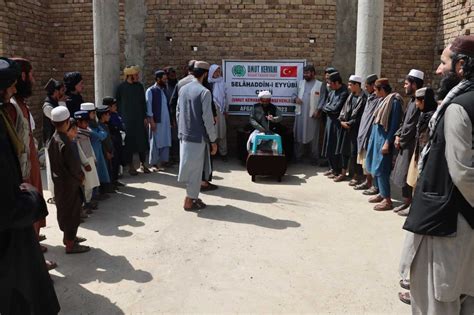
(196, 132)
(336, 99)
(159, 119)
(307, 122)
(439, 254)
(132, 106)
(264, 118)
(405, 139)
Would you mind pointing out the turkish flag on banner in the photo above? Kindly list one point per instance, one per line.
(288, 71)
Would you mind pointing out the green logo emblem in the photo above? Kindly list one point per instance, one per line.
(238, 70)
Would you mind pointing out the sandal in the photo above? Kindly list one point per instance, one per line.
(405, 284)
(51, 201)
(371, 191)
(362, 186)
(79, 239)
(383, 206)
(77, 249)
(332, 176)
(41, 237)
(197, 205)
(50, 265)
(330, 172)
(353, 182)
(405, 297)
(340, 178)
(375, 199)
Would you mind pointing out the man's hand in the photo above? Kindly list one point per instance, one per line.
(386, 148)
(213, 148)
(345, 125)
(270, 117)
(27, 187)
(298, 101)
(88, 168)
(109, 155)
(397, 142)
(152, 125)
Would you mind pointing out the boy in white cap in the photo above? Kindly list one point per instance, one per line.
(405, 139)
(67, 181)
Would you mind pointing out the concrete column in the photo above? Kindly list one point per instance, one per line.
(369, 37)
(135, 15)
(345, 46)
(106, 47)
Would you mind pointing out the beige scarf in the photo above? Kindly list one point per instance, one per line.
(382, 113)
(17, 143)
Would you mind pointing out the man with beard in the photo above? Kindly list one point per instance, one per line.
(55, 92)
(159, 120)
(21, 117)
(349, 118)
(132, 107)
(363, 135)
(336, 99)
(439, 254)
(380, 149)
(25, 285)
(405, 138)
(171, 82)
(196, 133)
(307, 124)
(74, 87)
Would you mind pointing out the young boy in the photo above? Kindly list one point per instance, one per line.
(67, 181)
(97, 136)
(87, 157)
(103, 114)
(116, 129)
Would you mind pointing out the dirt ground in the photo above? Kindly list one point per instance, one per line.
(305, 245)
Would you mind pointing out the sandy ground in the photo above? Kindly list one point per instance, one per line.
(306, 245)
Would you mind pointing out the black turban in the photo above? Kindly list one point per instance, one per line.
(71, 79)
(9, 72)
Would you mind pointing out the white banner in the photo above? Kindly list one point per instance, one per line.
(244, 79)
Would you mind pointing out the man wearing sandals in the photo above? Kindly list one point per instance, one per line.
(439, 253)
(196, 131)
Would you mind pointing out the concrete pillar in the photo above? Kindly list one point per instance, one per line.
(135, 15)
(106, 47)
(345, 46)
(369, 37)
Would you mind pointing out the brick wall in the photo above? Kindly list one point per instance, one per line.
(24, 33)
(408, 39)
(57, 34)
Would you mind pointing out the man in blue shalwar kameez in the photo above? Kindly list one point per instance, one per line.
(159, 119)
(387, 118)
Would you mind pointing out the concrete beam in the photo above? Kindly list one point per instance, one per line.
(106, 47)
(369, 37)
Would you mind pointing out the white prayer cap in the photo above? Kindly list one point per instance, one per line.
(265, 94)
(59, 114)
(88, 106)
(420, 92)
(416, 74)
(202, 65)
(356, 78)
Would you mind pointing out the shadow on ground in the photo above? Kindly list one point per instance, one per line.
(233, 214)
(96, 265)
(227, 192)
(122, 210)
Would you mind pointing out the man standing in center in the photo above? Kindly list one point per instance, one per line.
(196, 130)
(132, 106)
(306, 128)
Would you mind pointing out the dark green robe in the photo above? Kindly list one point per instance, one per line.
(132, 107)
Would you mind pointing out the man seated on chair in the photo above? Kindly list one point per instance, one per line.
(265, 118)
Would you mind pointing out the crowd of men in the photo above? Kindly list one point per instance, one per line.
(370, 139)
